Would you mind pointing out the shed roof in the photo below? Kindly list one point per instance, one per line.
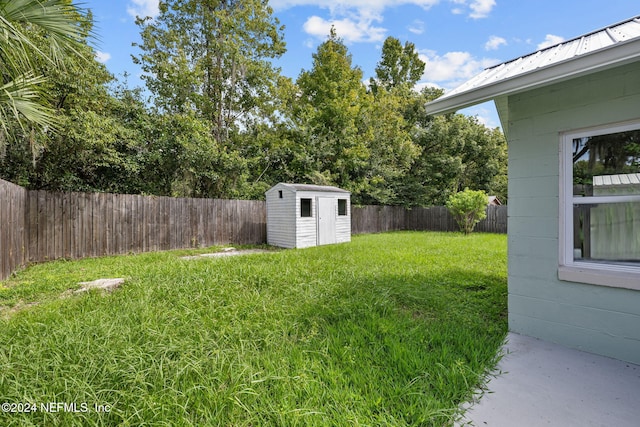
(310, 187)
(609, 47)
(627, 179)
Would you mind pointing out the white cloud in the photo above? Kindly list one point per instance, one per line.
(452, 68)
(102, 57)
(485, 113)
(458, 10)
(143, 8)
(494, 43)
(416, 27)
(349, 30)
(351, 4)
(550, 40)
(481, 8)
(356, 20)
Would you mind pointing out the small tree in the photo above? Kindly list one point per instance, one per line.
(468, 207)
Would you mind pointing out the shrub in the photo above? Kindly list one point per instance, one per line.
(468, 207)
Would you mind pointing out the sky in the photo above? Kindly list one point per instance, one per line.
(456, 39)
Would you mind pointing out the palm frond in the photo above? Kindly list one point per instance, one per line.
(20, 98)
(20, 22)
(54, 17)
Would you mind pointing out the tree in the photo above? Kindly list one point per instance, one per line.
(468, 207)
(329, 117)
(57, 21)
(99, 142)
(392, 151)
(92, 149)
(212, 57)
(457, 152)
(399, 65)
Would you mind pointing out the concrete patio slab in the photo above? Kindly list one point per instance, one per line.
(545, 384)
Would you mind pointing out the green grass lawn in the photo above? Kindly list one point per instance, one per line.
(390, 329)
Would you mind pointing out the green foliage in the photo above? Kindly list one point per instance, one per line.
(329, 116)
(100, 146)
(223, 122)
(399, 66)
(468, 207)
(351, 138)
(212, 58)
(392, 149)
(93, 148)
(457, 152)
(390, 329)
(33, 31)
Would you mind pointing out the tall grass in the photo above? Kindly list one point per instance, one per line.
(390, 329)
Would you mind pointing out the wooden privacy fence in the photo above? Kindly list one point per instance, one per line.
(39, 226)
(12, 228)
(374, 219)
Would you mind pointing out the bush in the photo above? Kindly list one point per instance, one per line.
(468, 207)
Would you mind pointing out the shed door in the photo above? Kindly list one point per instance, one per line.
(326, 220)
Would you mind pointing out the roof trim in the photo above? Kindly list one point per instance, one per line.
(310, 187)
(614, 55)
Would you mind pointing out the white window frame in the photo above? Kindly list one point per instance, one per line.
(612, 275)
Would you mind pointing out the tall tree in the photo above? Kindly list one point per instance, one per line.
(351, 138)
(399, 65)
(391, 147)
(212, 57)
(330, 114)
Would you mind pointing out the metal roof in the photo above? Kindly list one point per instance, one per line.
(612, 46)
(310, 187)
(627, 179)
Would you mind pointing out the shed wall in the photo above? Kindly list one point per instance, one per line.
(343, 223)
(287, 229)
(306, 233)
(306, 228)
(281, 218)
(597, 319)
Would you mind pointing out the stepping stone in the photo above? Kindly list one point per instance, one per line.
(225, 253)
(104, 284)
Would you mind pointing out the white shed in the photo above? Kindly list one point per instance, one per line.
(302, 215)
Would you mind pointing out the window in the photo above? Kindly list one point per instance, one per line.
(279, 194)
(305, 207)
(342, 207)
(600, 193)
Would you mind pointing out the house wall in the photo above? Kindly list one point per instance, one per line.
(281, 217)
(598, 319)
